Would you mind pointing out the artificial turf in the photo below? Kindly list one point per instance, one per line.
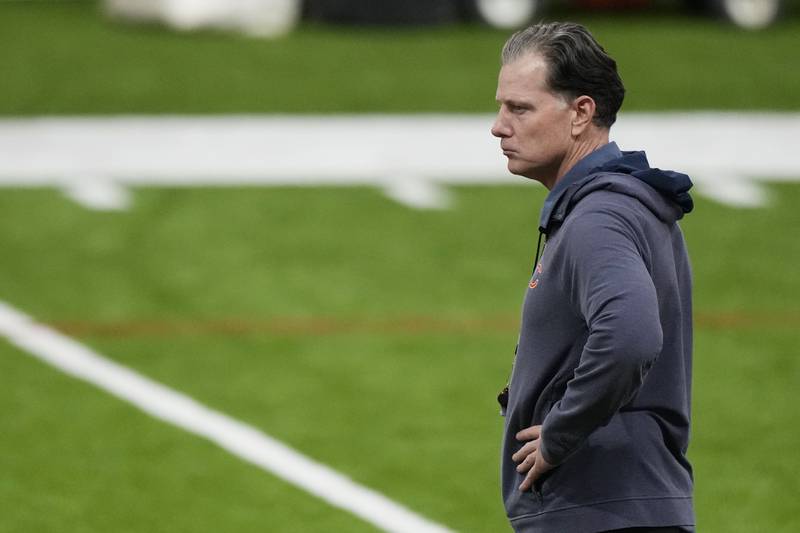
(369, 336)
(64, 57)
(418, 312)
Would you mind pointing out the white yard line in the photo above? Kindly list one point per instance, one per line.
(734, 191)
(98, 194)
(238, 438)
(409, 156)
(417, 193)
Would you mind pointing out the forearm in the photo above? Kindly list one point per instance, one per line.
(621, 347)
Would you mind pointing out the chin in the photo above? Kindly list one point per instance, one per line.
(527, 170)
(518, 169)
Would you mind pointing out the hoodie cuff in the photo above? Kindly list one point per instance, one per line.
(545, 453)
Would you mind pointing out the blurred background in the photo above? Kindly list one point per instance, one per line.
(294, 212)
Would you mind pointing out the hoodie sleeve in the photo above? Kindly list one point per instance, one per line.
(611, 289)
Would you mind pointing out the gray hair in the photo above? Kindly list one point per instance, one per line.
(576, 65)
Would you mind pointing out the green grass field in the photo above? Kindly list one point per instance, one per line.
(397, 391)
(64, 58)
(369, 336)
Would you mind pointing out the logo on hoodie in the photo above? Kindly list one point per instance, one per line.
(535, 281)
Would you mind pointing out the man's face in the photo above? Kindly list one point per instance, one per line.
(533, 124)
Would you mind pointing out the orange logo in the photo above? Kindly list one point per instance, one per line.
(536, 271)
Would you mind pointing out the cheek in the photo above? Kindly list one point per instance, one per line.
(542, 136)
(554, 130)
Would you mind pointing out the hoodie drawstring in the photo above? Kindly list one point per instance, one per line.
(502, 398)
(538, 249)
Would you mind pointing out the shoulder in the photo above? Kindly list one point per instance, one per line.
(609, 191)
(604, 225)
(603, 209)
(611, 201)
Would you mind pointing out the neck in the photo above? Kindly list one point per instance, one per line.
(580, 149)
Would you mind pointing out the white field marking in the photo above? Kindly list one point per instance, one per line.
(240, 439)
(365, 149)
(98, 194)
(417, 193)
(734, 191)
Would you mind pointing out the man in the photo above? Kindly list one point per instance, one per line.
(598, 405)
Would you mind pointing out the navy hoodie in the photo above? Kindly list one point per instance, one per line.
(604, 354)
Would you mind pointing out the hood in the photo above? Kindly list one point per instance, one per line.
(664, 192)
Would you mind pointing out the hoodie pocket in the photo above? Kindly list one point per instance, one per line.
(550, 396)
(543, 485)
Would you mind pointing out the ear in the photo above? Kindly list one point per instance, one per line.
(583, 108)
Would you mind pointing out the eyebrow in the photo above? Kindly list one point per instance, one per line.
(513, 102)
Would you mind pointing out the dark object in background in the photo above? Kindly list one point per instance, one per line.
(496, 13)
(751, 14)
(509, 14)
(397, 12)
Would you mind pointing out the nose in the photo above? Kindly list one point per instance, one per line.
(499, 128)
